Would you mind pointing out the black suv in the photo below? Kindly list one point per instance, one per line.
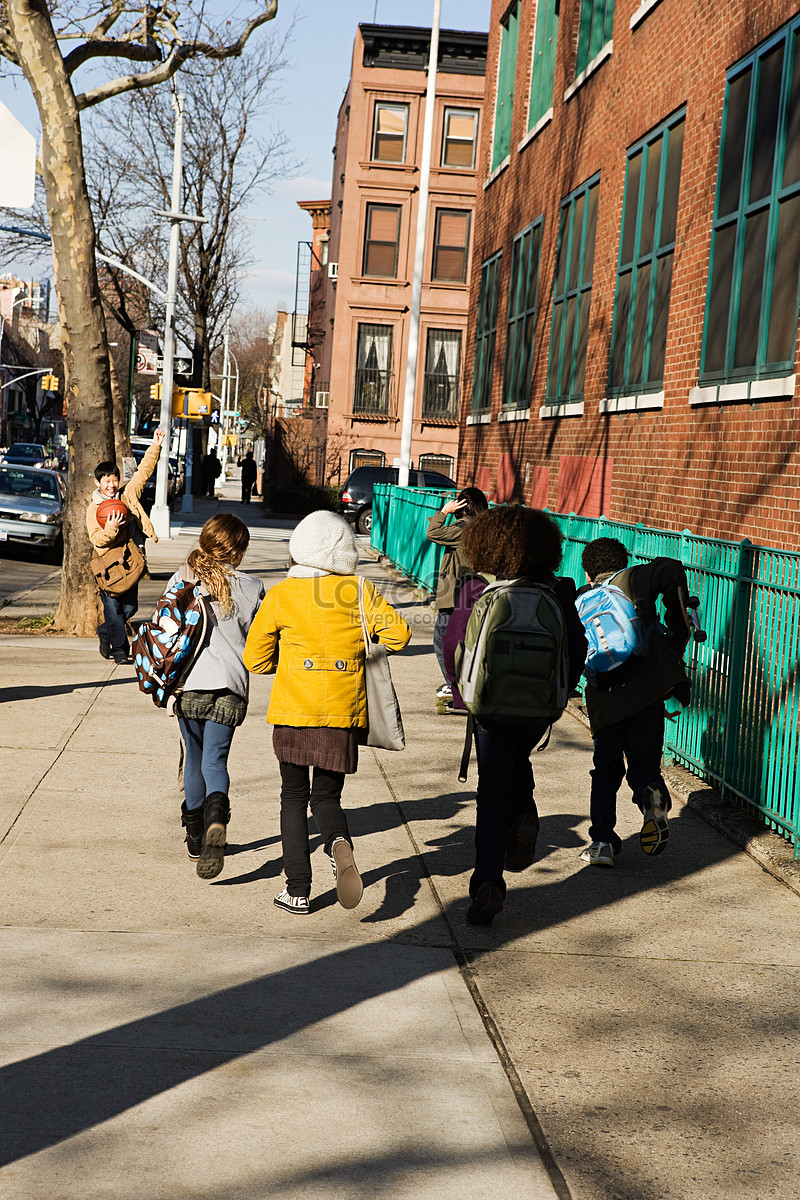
(356, 501)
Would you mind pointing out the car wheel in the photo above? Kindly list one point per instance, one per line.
(364, 522)
(55, 553)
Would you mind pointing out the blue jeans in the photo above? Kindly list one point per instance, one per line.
(207, 745)
(439, 627)
(505, 791)
(116, 611)
(636, 744)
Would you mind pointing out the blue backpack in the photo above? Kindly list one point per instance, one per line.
(614, 630)
(165, 648)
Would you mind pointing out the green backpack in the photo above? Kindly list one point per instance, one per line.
(512, 665)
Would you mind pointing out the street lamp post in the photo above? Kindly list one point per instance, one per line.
(3, 320)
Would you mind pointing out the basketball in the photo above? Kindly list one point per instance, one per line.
(107, 508)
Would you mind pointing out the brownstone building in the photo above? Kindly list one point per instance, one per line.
(634, 302)
(372, 239)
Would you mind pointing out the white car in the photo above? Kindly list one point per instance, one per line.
(31, 508)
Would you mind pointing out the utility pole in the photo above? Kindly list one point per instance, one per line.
(226, 388)
(407, 424)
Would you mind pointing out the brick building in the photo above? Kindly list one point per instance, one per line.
(634, 301)
(372, 237)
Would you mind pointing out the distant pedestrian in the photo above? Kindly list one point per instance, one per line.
(308, 634)
(523, 545)
(114, 533)
(464, 508)
(249, 475)
(626, 704)
(211, 469)
(213, 701)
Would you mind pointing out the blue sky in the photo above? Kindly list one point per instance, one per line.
(312, 88)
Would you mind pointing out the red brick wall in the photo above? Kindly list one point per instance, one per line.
(729, 471)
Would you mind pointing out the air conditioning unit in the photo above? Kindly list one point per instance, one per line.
(323, 399)
(333, 270)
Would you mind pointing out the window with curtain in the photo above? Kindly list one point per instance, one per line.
(523, 296)
(459, 137)
(442, 371)
(373, 369)
(485, 334)
(382, 240)
(752, 299)
(646, 251)
(450, 246)
(506, 76)
(572, 294)
(596, 29)
(389, 132)
(543, 67)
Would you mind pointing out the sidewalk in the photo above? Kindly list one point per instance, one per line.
(605, 1038)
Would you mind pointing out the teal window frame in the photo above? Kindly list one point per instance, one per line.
(523, 299)
(486, 334)
(646, 255)
(734, 261)
(595, 31)
(572, 294)
(543, 66)
(506, 80)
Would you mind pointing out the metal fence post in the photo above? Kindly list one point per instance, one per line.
(737, 652)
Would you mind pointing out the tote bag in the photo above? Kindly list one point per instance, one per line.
(383, 711)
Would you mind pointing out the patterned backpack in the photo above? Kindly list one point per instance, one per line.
(165, 648)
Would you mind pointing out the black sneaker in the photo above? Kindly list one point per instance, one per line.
(105, 650)
(654, 833)
(122, 657)
(486, 904)
(521, 849)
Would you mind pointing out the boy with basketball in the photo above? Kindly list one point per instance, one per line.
(110, 528)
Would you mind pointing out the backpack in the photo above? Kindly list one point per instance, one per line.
(614, 629)
(165, 648)
(513, 663)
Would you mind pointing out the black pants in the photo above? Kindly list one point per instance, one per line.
(636, 744)
(505, 791)
(323, 792)
(246, 490)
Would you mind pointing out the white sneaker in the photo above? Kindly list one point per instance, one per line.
(349, 887)
(444, 690)
(654, 834)
(599, 854)
(292, 904)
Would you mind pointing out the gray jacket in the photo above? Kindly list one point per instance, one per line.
(219, 664)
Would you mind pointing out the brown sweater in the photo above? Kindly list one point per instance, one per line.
(103, 539)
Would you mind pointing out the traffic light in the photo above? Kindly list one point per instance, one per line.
(49, 383)
(155, 391)
(178, 397)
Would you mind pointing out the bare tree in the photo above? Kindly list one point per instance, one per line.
(50, 42)
(255, 340)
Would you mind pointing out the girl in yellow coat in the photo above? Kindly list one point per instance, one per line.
(308, 634)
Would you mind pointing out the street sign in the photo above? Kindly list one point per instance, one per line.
(180, 366)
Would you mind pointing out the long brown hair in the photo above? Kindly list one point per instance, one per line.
(223, 541)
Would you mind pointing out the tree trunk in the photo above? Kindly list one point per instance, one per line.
(122, 441)
(87, 384)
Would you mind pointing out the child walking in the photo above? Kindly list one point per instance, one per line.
(214, 699)
(308, 634)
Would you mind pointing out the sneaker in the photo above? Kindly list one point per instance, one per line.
(599, 854)
(292, 904)
(445, 690)
(121, 658)
(486, 904)
(105, 650)
(521, 848)
(349, 887)
(654, 833)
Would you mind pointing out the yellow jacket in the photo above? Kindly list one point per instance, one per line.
(103, 539)
(308, 634)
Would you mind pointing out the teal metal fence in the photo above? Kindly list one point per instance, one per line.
(742, 729)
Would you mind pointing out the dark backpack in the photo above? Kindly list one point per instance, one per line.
(165, 648)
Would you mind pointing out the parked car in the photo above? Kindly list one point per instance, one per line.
(174, 479)
(28, 454)
(32, 508)
(356, 502)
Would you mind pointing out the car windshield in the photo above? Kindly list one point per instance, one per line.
(36, 484)
(27, 450)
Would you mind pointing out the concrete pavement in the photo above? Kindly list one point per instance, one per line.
(624, 1034)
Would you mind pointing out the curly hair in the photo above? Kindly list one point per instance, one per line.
(513, 541)
(602, 555)
(222, 544)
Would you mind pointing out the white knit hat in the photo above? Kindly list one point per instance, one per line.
(325, 540)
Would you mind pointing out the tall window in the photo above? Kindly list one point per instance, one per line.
(646, 250)
(572, 294)
(506, 74)
(543, 69)
(485, 334)
(373, 370)
(389, 132)
(442, 370)
(382, 240)
(751, 307)
(597, 24)
(459, 137)
(450, 246)
(522, 302)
